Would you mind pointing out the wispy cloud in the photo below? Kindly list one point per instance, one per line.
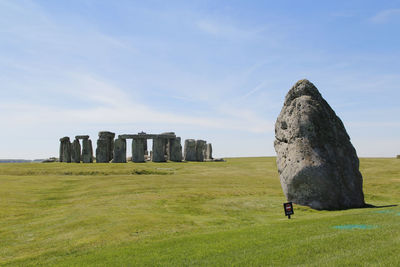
(227, 30)
(386, 15)
(255, 89)
(108, 104)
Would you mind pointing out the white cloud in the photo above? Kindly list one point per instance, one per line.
(109, 104)
(386, 15)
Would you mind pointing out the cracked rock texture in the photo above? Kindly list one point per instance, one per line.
(317, 164)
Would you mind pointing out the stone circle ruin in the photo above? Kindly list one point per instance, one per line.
(166, 147)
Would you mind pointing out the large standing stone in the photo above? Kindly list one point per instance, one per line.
(175, 149)
(138, 149)
(317, 164)
(65, 149)
(87, 151)
(76, 151)
(158, 149)
(105, 152)
(208, 155)
(200, 150)
(102, 151)
(167, 143)
(119, 150)
(190, 150)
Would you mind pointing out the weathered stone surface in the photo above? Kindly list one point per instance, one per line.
(87, 151)
(65, 138)
(119, 151)
(76, 151)
(102, 151)
(67, 152)
(317, 164)
(159, 150)
(65, 149)
(138, 149)
(208, 154)
(109, 138)
(200, 149)
(190, 150)
(82, 137)
(145, 136)
(106, 134)
(175, 149)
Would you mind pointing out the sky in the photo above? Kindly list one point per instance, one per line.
(212, 70)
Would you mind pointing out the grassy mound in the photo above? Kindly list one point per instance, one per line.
(174, 214)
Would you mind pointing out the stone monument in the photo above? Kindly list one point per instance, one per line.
(208, 154)
(105, 147)
(159, 145)
(65, 149)
(139, 148)
(190, 150)
(76, 151)
(317, 164)
(200, 150)
(87, 150)
(175, 149)
(119, 150)
(166, 146)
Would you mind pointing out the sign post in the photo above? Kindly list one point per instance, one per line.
(288, 207)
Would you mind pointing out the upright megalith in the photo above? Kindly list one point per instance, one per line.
(119, 150)
(189, 153)
(102, 151)
(159, 149)
(175, 149)
(87, 151)
(200, 150)
(208, 154)
(105, 147)
(76, 151)
(139, 145)
(65, 149)
(167, 143)
(317, 164)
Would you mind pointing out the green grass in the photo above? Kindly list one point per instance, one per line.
(179, 214)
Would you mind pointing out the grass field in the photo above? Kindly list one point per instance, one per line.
(179, 214)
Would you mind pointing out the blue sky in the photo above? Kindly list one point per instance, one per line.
(213, 70)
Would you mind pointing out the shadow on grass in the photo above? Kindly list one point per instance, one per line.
(373, 206)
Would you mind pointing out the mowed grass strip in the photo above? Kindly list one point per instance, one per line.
(211, 213)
